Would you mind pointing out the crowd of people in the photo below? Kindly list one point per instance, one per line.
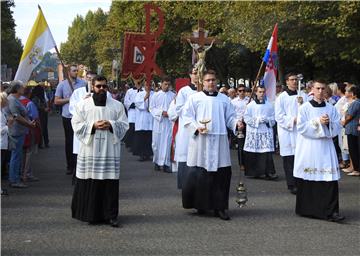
(24, 129)
(190, 130)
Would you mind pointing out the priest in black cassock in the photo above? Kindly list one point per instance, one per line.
(99, 122)
(207, 181)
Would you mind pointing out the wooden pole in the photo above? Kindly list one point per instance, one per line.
(256, 80)
(66, 74)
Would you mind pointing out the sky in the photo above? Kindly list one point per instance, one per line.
(59, 15)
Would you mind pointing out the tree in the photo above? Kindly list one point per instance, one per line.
(82, 37)
(315, 38)
(11, 47)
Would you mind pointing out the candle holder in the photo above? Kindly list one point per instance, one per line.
(205, 122)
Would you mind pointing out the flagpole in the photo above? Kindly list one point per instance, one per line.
(256, 80)
(66, 74)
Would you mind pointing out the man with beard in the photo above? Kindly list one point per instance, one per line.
(63, 93)
(99, 123)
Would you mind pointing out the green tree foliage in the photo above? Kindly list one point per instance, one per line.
(82, 37)
(315, 38)
(11, 47)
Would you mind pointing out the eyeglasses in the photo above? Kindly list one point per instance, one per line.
(241, 90)
(210, 80)
(104, 86)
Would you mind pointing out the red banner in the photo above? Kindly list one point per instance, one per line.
(132, 55)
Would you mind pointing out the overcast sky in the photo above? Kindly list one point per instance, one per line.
(59, 15)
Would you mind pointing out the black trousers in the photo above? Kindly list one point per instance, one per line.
(288, 163)
(44, 127)
(69, 136)
(5, 159)
(354, 151)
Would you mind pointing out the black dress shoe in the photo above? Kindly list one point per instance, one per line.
(201, 212)
(222, 215)
(336, 217)
(114, 223)
(157, 167)
(293, 190)
(271, 176)
(161, 168)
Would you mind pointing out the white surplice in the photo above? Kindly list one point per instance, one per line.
(240, 106)
(182, 136)
(315, 154)
(99, 153)
(128, 101)
(78, 95)
(211, 150)
(259, 119)
(143, 117)
(286, 110)
(162, 127)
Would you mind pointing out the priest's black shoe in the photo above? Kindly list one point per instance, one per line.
(69, 171)
(222, 215)
(114, 223)
(336, 217)
(293, 190)
(271, 176)
(201, 212)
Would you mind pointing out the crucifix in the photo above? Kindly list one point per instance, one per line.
(198, 44)
(99, 140)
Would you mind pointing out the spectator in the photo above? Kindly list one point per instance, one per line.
(5, 124)
(17, 132)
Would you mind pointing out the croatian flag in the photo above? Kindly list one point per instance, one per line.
(271, 60)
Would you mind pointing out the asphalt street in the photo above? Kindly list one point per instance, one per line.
(37, 220)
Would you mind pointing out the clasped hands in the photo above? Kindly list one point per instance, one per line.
(102, 125)
(263, 119)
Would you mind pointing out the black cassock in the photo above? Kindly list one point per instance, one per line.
(95, 200)
(317, 199)
(204, 190)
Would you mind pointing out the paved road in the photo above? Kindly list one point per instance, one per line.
(37, 220)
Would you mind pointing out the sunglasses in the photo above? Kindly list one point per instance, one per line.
(241, 90)
(104, 86)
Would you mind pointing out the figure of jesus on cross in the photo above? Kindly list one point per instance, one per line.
(198, 44)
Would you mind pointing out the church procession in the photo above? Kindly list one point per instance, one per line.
(152, 162)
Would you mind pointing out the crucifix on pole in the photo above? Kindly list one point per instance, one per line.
(198, 42)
